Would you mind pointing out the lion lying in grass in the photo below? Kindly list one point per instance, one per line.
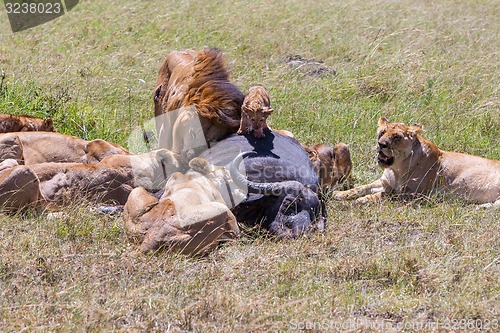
(39, 147)
(53, 185)
(413, 165)
(191, 216)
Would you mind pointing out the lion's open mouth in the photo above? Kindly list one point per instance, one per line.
(384, 159)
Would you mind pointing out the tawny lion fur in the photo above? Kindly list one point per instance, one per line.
(414, 165)
(39, 147)
(24, 123)
(255, 110)
(19, 188)
(191, 216)
(53, 185)
(201, 79)
(333, 164)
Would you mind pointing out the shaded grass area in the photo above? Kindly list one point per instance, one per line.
(332, 69)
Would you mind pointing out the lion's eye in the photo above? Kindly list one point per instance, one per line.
(380, 134)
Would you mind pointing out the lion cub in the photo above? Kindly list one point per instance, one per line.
(413, 165)
(254, 112)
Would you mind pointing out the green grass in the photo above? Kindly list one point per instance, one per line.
(381, 265)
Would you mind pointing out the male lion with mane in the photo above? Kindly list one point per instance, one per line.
(413, 165)
(198, 78)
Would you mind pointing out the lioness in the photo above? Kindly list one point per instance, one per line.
(255, 110)
(23, 123)
(414, 165)
(191, 216)
(39, 147)
(52, 185)
(108, 181)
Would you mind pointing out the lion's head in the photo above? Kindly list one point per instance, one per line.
(256, 107)
(395, 142)
(333, 164)
(47, 125)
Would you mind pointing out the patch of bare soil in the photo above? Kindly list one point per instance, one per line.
(308, 67)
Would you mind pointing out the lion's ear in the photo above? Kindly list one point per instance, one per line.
(267, 111)
(49, 124)
(415, 129)
(157, 93)
(313, 154)
(201, 165)
(382, 121)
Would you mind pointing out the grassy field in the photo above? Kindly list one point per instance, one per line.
(332, 69)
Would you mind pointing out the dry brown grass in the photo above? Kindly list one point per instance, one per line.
(389, 264)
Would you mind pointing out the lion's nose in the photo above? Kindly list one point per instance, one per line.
(382, 145)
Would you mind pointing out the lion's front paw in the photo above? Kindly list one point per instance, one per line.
(341, 195)
(369, 198)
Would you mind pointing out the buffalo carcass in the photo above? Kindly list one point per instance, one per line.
(280, 179)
